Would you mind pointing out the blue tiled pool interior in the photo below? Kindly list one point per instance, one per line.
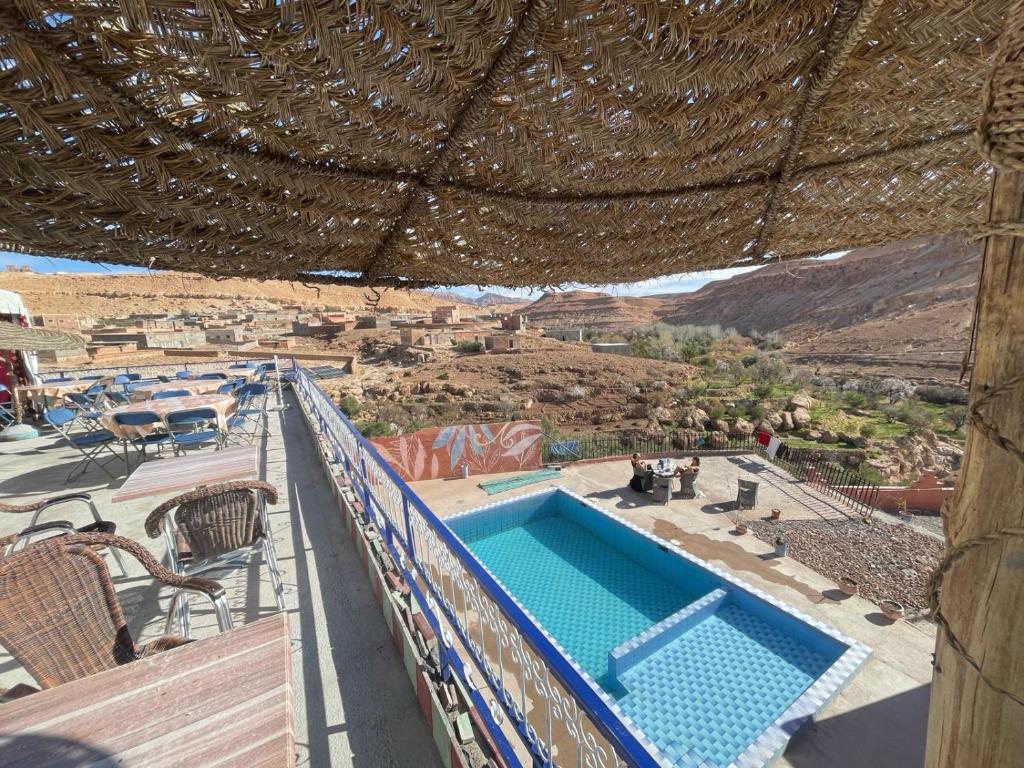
(701, 692)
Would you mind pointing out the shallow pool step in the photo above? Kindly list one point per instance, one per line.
(635, 650)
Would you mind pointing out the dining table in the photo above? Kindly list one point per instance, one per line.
(231, 373)
(183, 473)
(56, 390)
(223, 405)
(223, 700)
(192, 386)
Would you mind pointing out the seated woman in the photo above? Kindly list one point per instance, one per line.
(642, 474)
(687, 479)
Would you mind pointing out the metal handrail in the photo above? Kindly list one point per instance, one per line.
(458, 585)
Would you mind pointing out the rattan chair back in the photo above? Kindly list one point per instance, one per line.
(59, 613)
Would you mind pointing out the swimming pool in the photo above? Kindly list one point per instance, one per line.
(708, 669)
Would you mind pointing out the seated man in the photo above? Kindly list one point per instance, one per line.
(642, 475)
(688, 478)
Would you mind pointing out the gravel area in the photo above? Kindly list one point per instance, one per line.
(888, 561)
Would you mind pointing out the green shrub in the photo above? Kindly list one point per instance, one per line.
(868, 430)
(872, 475)
(763, 390)
(374, 428)
(350, 406)
(957, 415)
(469, 346)
(757, 411)
(855, 399)
(915, 415)
(748, 360)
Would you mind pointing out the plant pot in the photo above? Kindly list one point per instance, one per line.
(741, 528)
(776, 514)
(848, 585)
(892, 609)
(781, 549)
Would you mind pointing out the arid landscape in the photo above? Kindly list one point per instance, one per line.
(824, 351)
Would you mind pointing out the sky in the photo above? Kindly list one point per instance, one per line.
(683, 283)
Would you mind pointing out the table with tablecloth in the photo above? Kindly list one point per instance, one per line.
(224, 405)
(231, 373)
(38, 393)
(192, 386)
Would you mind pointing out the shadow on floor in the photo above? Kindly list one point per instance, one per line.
(37, 749)
(353, 651)
(890, 733)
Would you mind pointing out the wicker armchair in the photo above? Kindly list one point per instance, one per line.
(59, 613)
(212, 527)
(38, 507)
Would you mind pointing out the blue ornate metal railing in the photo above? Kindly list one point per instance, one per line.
(559, 715)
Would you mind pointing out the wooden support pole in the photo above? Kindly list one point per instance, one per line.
(977, 698)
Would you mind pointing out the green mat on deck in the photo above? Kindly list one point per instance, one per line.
(497, 486)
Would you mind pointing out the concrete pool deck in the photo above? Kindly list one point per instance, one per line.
(353, 705)
(880, 718)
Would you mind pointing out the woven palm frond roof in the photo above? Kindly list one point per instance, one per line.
(506, 142)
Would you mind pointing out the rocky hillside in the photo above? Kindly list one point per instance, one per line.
(904, 307)
(107, 295)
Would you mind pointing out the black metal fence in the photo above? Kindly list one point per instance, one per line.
(604, 445)
(826, 476)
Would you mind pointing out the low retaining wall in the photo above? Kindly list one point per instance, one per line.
(926, 495)
(459, 734)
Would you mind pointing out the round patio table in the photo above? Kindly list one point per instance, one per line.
(224, 405)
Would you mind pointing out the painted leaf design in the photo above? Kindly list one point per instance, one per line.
(419, 459)
(474, 442)
(460, 439)
(487, 433)
(522, 445)
(443, 437)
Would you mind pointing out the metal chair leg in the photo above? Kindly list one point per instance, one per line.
(270, 555)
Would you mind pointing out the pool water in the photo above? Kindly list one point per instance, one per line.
(720, 667)
(589, 596)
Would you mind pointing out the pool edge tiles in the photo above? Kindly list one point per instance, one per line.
(849, 654)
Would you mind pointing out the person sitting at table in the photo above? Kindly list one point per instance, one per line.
(643, 475)
(687, 479)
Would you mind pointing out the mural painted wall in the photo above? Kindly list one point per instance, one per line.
(440, 452)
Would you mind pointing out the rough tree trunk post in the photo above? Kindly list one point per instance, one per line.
(977, 698)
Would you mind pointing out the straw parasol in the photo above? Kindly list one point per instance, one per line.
(20, 339)
(503, 142)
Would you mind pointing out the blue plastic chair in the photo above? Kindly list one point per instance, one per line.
(170, 393)
(94, 377)
(199, 432)
(158, 436)
(6, 408)
(183, 375)
(89, 444)
(122, 381)
(239, 365)
(163, 379)
(94, 391)
(214, 375)
(134, 376)
(252, 408)
(57, 380)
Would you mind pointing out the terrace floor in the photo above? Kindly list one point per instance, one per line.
(353, 705)
(880, 718)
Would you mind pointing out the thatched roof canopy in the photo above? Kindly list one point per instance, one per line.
(508, 142)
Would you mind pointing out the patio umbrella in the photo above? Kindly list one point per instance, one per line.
(19, 339)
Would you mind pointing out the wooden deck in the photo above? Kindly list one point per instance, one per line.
(225, 701)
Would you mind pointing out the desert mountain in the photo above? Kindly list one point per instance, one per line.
(908, 302)
(592, 309)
